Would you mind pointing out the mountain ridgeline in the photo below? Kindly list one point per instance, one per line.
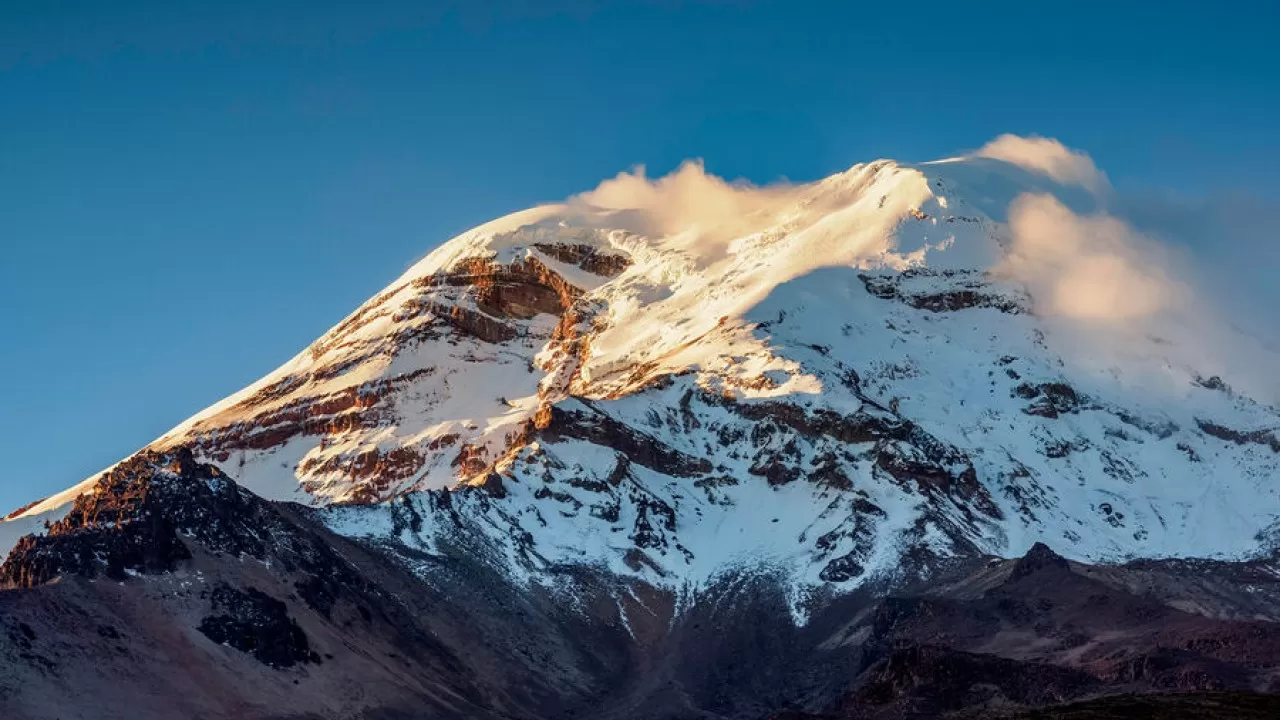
(814, 451)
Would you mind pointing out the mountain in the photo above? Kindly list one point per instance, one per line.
(684, 449)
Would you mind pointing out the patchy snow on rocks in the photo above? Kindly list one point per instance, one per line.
(836, 381)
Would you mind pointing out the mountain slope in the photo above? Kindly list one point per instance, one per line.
(181, 594)
(837, 374)
(667, 424)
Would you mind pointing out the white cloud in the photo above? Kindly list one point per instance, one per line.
(1092, 267)
(1233, 240)
(1047, 157)
(1112, 290)
(688, 200)
(1195, 274)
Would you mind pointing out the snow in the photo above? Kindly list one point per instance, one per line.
(757, 296)
(50, 510)
(60, 500)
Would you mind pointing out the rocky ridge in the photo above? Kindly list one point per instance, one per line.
(295, 620)
(643, 434)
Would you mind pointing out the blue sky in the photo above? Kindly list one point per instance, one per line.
(190, 193)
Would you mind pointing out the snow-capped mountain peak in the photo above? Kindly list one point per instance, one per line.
(678, 376)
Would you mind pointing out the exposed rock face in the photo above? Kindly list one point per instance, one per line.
(932, 681)
(1267, 438)
(587, 257)
(1038, 559)
(256, 623)
(1049, 399)
(600, 381)
(573, 461)
(342, 394)
(517, 290)
(133, 520)
(636, 447)
(264, 596)
(959, 290)
(371, 634)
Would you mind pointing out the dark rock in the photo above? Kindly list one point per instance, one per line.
(930, 679)
(1240, 437)
(255, 623)
(132, 520)
(597, 427)
(1039, 558)
(776, 472)
(842, 569)
(493, 484)
(1051, 399)
(1213, 383)
(652, 518)
(588, 257)
(969, 290)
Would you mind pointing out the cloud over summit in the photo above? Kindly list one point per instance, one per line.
(1047, 157)
(1092, 267)
(687, 200)
(1118, 271)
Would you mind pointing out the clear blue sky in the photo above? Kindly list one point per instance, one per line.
(190, 193)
